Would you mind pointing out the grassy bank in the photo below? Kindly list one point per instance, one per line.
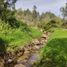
(55, 52)
(17, 37)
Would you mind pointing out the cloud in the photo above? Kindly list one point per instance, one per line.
(42, 5)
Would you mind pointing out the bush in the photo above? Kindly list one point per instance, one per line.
(16, 37)
(55, 52)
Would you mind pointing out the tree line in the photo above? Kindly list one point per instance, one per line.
(47, 20)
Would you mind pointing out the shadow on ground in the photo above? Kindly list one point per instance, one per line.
(3, 46)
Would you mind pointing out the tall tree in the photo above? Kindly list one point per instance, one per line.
(35, 15)
(6, 8)
(34, 12)
(64, 11)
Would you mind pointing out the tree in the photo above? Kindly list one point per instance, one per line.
(34, 12)
(35, 15)
(64, 11)
(6, 8)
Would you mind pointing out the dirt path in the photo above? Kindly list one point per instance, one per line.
(26, 56)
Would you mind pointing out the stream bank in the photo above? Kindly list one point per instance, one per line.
(25, 57)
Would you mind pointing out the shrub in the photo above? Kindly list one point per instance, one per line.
(55, 52)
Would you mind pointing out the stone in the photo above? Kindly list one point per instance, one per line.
(1, 62)
(19, 65)
(37, 47)
(35, 41)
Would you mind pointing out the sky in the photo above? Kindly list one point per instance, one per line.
(42, 5)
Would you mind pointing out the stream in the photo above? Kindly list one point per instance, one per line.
(26, 56)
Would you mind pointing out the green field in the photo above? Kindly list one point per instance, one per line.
(55, 52)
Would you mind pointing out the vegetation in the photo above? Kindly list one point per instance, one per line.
(7, 9)
(16, 37)
(64, 11)
(55, 52)
(13, 32)
(19, 27)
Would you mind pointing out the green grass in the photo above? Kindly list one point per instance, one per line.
(16, 38)
(55, 52)
(59, 33)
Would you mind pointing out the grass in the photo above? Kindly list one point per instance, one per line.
(55, 52)
(59, 33)
(21, 36)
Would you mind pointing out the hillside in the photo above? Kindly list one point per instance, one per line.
(16, 37)
(33, 33)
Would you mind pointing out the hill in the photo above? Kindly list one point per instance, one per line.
(17, 37)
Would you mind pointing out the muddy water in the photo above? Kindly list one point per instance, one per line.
(34, 57)
(31, 60)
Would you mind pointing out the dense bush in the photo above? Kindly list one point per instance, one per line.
(55, 52)
(16, 37)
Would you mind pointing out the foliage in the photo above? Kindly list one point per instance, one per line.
(55, 52)
(49, 21)
(29, 17)
(64, 11)
(19, 27)
(16, 37)
(5, 8)
(33, 18)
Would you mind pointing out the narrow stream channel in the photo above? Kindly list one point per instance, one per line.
(33, 57)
